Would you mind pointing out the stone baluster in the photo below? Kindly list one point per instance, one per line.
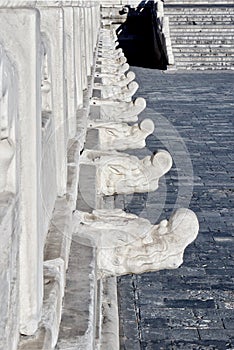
(96, 21)
(80, 47)
(87, 40)
(52, 24)
(83, 51)
(70, 69)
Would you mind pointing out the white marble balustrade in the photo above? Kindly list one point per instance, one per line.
(46, 54)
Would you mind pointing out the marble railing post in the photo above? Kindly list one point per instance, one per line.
(87, 40)
(79, 63)
(70, 69)
(83, 51)
(21, 40)
(52, 24)
(90, 31)
(94, 24)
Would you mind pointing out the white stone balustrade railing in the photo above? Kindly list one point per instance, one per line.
(46, 54)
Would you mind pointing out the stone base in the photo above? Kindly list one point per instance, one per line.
(77, 329)
(109, 317)
(47, 333)
(88, 199)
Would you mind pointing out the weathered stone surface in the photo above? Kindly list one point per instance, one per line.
(109, 320)
(59, 236)
(47, 334)
(77, 330)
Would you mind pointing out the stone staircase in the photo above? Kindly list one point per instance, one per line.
(202, 33)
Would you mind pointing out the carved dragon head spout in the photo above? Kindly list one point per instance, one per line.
(127, 243)
(121, 136)
(125, 174)
(163, 246)
(152, 168)
(129, 174)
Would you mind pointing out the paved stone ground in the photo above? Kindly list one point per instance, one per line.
(191, 307)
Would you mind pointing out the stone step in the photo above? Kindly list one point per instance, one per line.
(191, 58)
(192, 35)
(224, 29)
(202, 33)
(222, 51)
(193, 21)
(204, 66)
(201, 20)
(198, 2)
(203, 59)
(203, 56)
(201, 16)
(204, 63)
(203, 47)
(191, 40)
(212, 10)
(198, 9)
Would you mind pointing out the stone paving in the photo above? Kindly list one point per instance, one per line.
(191, 307)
